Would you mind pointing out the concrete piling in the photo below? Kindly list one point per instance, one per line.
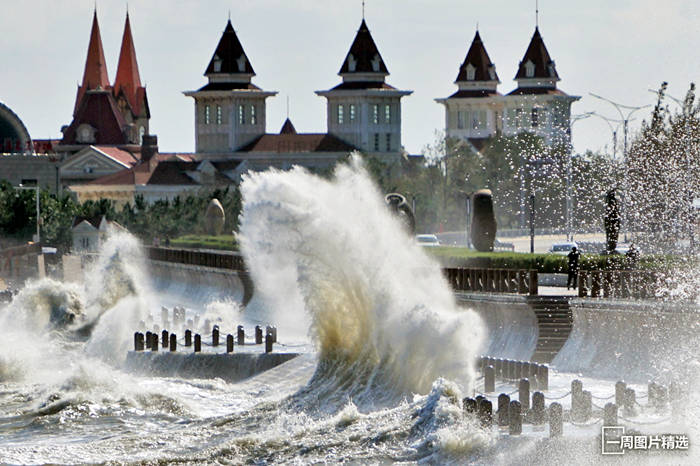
(229, 343)
(556, 420)
(542, 377)
(610, 414)
(489, 379)
(173, 342)
(620, 388)
(207, 326)
(538, 408)
(258, 335)
(138, 341)
(240, 335)
(215, 336)
(188, 337)
(498, 365)
(164, 316)
(469, 405)
(197, 343)
(576, 400)
(502, 412)
(586, 405)
(515, 425)
(268, 342)
(524, 394)
(148, 339)
(164, 340)
(154, 342)
(629, 400)
(485, 408)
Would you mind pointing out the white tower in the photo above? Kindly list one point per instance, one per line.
(229, 110)
(364, 110)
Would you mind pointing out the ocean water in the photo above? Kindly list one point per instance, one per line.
(387, 355)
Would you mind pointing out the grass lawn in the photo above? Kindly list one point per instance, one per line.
(227, 242)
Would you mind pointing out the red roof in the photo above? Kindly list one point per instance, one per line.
(168, 169)
(289, 143)
(288, 127)
(479, 59)
(538, 55)
(473, 93)
(365, 54)
(95, 75)
(125, 157)
(99, 110)
(128, 80)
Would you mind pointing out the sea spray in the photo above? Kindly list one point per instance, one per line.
(383, 318)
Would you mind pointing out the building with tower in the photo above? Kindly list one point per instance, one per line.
(478, 112)
(109, 121)
(364, 110)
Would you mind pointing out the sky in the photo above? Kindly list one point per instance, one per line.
(618, 50)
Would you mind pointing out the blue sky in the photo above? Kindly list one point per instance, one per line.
(616, 49)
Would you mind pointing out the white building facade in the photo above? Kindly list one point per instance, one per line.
(477, 112)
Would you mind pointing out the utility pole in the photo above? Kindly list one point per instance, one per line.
(532, 223)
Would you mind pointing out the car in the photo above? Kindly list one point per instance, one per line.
(563, 248)
(427, 240)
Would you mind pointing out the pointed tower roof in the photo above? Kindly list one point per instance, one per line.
(128, 80)
(363, 56)
(477, 65)
(537, 64)
(229, 56)
(288, 127)
(95, 75)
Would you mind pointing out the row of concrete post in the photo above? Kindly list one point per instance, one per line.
(508, 369)
(617, 283)
(150, 340)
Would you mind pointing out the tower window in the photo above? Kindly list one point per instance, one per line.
(388, 142)
(218, 114)
(352, 112)
(529, 69)
(376, 141)
(535, 117)
(241, 115)
(207, 115)
(460, 119)
(253, 116)
(387, 113)
(340, 114)
(471, 72)
(375, 114)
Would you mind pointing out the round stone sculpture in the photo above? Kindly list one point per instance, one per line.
(483, 222)
(214, 218)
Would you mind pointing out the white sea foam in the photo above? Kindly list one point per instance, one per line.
(327, 253)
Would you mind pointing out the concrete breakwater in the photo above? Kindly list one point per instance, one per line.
(232, 367)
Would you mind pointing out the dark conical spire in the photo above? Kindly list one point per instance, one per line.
(288, 127)
(363, 56)
(537, 64)
(128, 80)
(229, 57)
(478, 62)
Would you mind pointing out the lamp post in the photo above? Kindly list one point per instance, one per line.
(613, 129)
(569, 168)
(625, 128)
(37, 237)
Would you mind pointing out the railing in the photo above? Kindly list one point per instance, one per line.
(642, 284)
(202, 258)
(492, 280)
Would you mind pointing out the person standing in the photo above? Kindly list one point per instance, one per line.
(574, 257)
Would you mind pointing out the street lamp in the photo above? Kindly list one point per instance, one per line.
(625, 128)
(613, 129)
(37, 237)
(569, 200)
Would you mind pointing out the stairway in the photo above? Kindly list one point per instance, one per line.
(554, 323)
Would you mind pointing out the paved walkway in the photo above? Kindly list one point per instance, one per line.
(556, 291)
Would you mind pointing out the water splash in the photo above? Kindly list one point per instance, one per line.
(384, 320)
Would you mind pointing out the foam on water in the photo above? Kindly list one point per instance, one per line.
(383, 318)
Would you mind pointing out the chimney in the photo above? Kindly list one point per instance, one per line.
(149, 147)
